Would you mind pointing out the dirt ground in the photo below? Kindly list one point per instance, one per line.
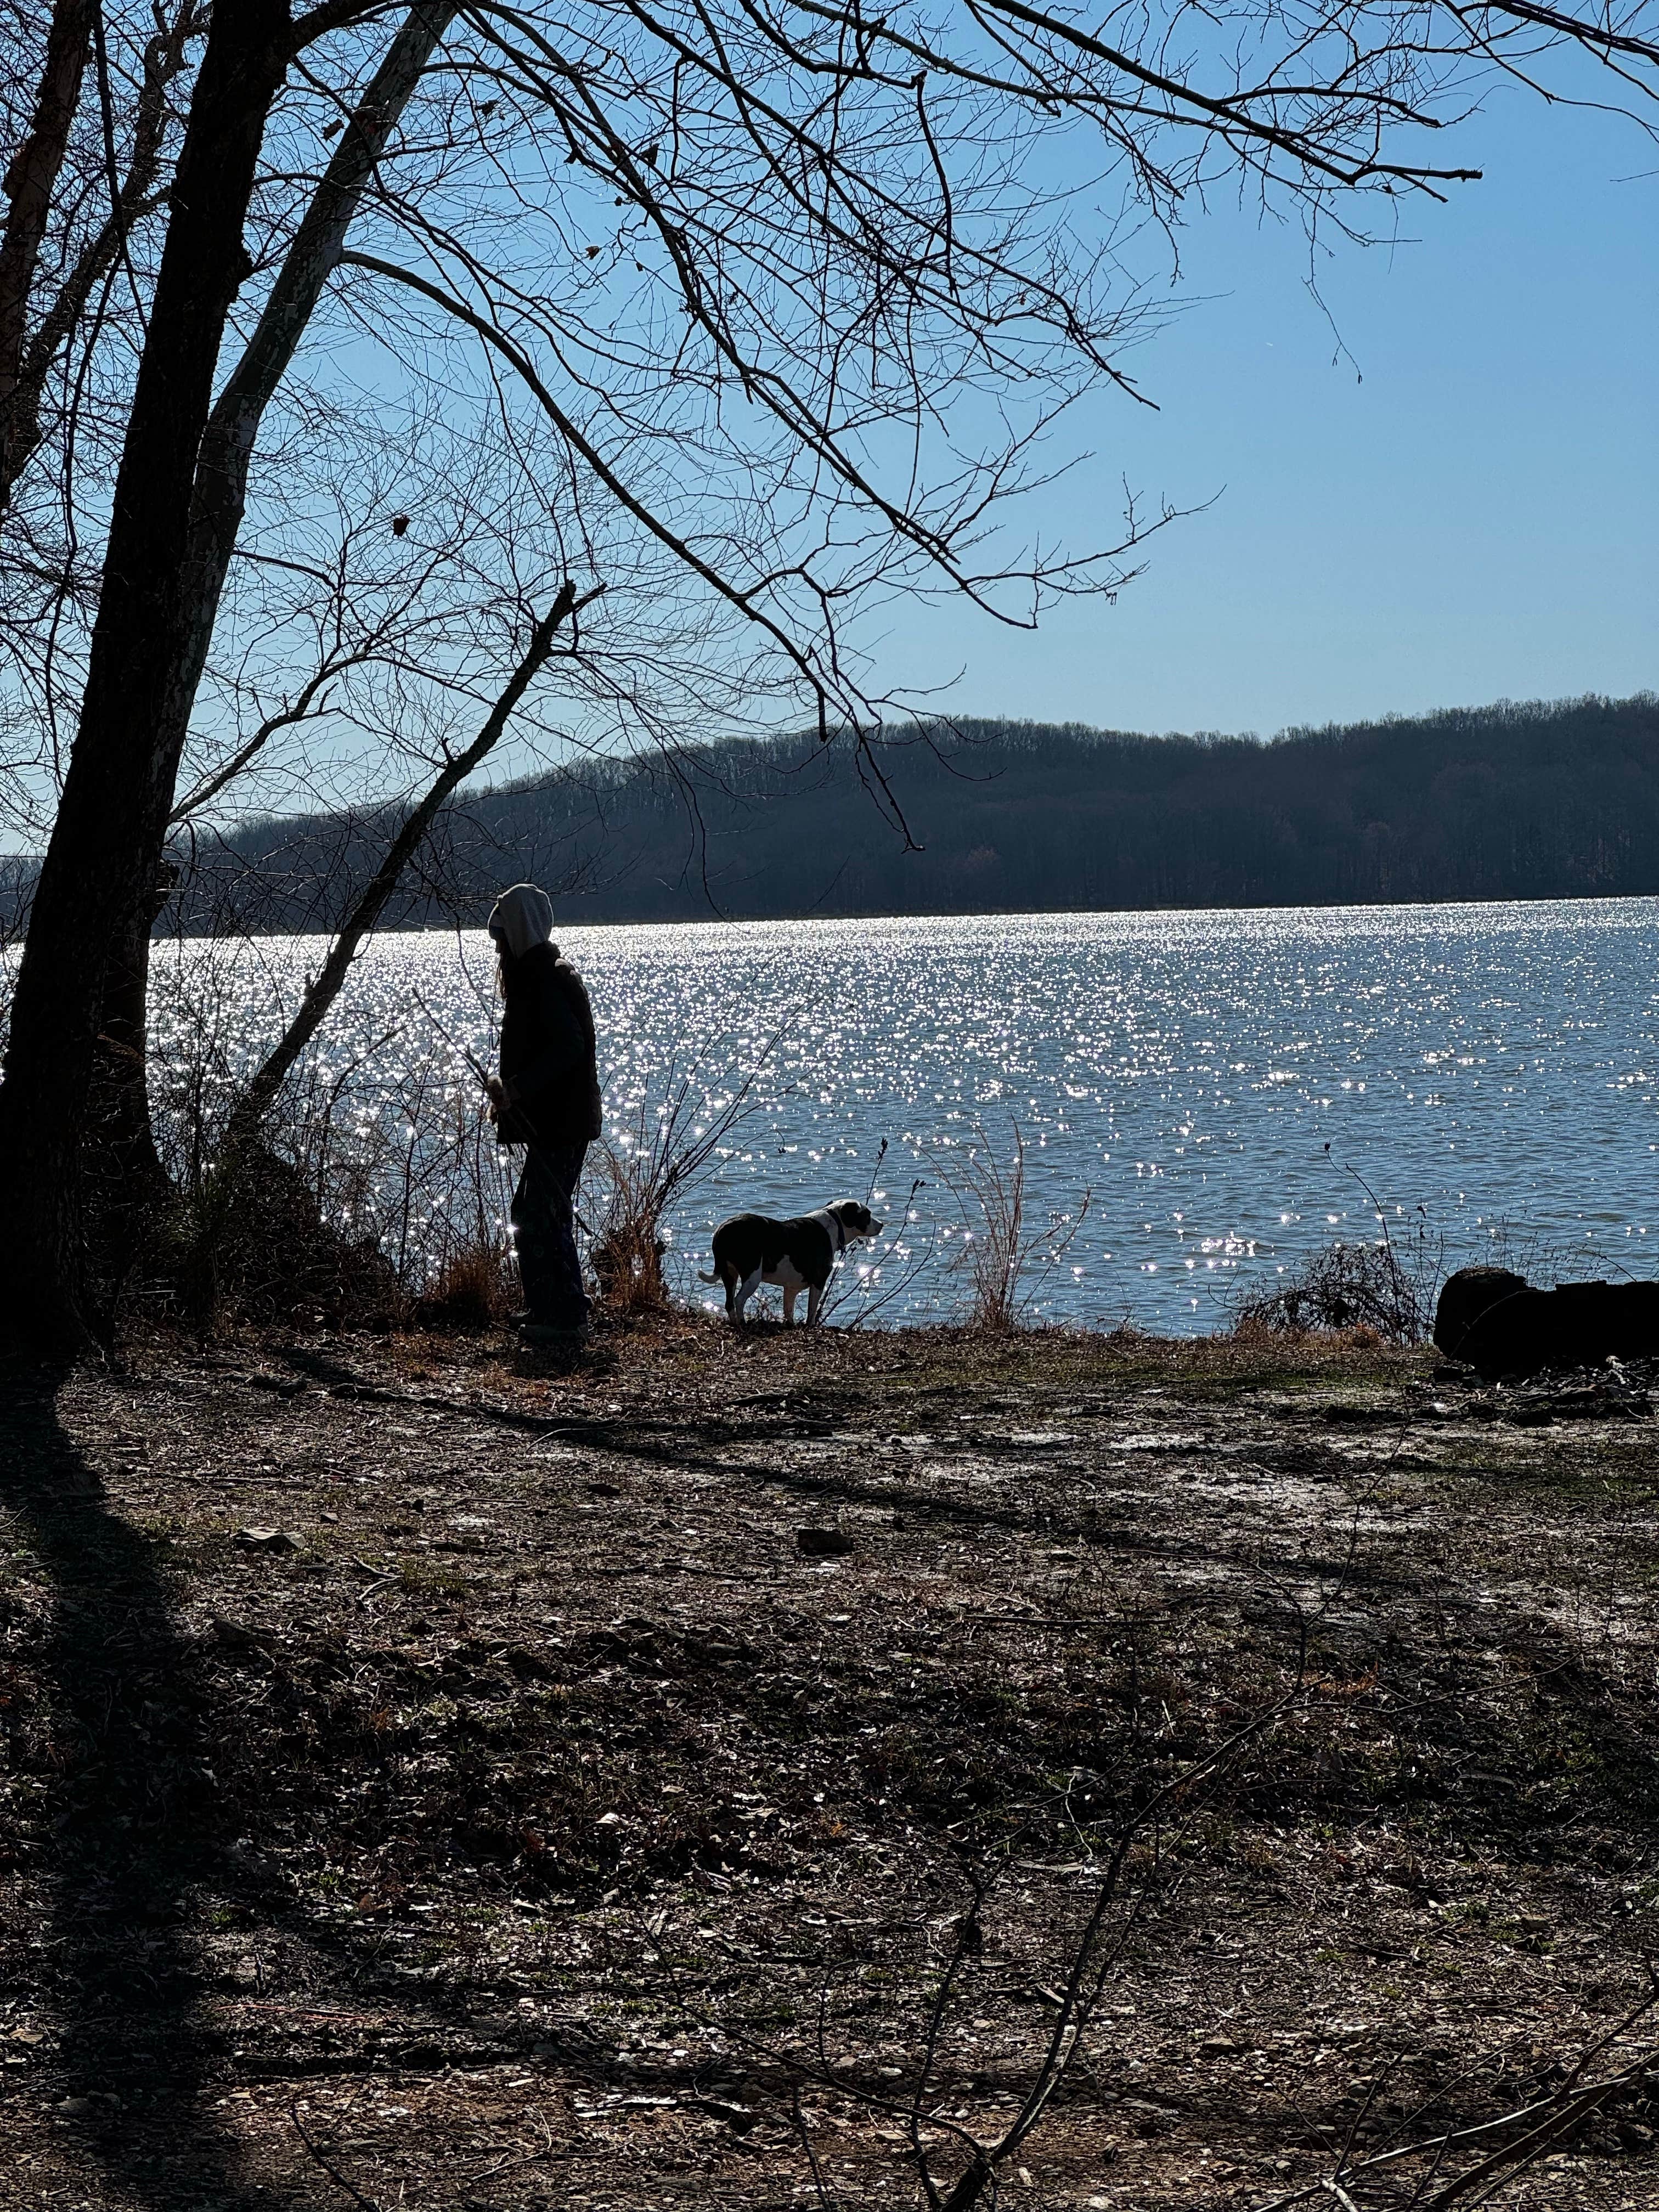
(433, 1781)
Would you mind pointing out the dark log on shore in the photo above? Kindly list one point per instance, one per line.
(1464, 1297)
(1575, 1324)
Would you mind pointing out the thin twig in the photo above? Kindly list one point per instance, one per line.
(824, 2197)
(368, 2203)
(1554, 2115)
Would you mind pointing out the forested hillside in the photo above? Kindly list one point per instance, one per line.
(1503, 802)
(1539, 801)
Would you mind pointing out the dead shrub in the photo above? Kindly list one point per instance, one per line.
(626, 1249)
(252, 1241)
(375, 1190)
(1363, 1291)
(662, 1156)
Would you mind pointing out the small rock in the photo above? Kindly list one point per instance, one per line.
(1218, 2046)
(822, 1543)
(739, 2117)
(233, 1633)
(268, 1540)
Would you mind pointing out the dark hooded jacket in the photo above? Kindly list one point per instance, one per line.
(548, 1063)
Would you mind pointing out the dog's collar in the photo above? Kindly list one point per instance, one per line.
(832, 1222)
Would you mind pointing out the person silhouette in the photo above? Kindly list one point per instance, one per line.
(546, 1097)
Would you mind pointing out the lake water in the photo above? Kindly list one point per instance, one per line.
(1213, 1082)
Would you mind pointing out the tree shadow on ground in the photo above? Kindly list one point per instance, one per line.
(691, 1442)
(134, 1842)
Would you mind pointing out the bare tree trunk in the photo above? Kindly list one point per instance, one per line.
(226, 449)
(256, 1101)
(136, 1182)
(221, 493)
(29, 183)
(101, 864)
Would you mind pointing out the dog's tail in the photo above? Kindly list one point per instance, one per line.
(715, 1278)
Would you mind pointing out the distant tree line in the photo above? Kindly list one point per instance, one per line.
(1508, 801)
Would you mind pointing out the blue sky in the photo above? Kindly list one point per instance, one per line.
(1473, 514)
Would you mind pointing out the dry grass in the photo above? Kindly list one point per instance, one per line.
(1004, 1257)
(474, 1286)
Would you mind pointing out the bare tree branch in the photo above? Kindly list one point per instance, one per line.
(29, 183)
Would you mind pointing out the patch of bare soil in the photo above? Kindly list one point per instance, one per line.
(435, 1781)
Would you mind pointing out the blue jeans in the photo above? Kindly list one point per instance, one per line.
(544, 1216)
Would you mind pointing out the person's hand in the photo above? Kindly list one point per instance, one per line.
(497, 1090)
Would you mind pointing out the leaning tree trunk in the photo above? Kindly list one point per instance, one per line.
(99, 865)
(221, 495)
(256, 1100)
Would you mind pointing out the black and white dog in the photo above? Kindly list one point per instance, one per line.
(751, 1248)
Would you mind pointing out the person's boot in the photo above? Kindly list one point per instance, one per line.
(564, 1336)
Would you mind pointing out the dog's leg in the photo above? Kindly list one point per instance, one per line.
(789, 1298)
(746, 1291)
(729, 1277)
(814, 1300)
